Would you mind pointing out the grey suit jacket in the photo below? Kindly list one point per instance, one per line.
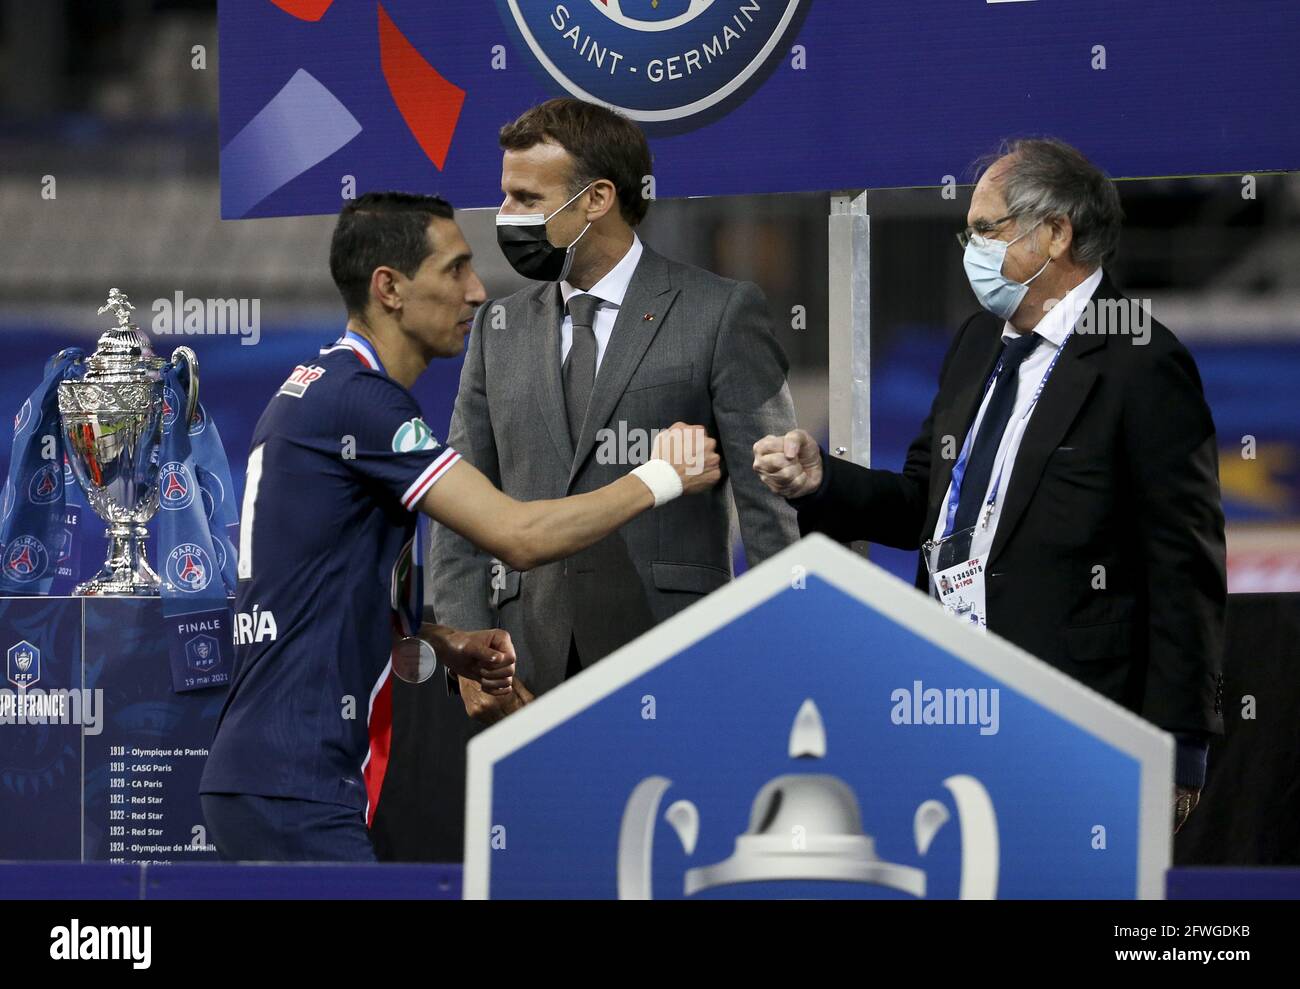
(687, 345)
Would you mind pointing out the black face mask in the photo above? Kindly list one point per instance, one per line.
(522, 239)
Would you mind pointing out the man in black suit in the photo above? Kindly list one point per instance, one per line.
(1071, 444)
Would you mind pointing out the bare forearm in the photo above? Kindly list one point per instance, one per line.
(527, 534)
(437, 636)
(551, 530)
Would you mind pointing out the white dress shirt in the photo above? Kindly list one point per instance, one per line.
(1054, 327)
(610, 290)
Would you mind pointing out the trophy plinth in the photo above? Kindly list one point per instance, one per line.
(112, 427)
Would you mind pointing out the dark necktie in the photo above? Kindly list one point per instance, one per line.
(979, 467)
(580, 366)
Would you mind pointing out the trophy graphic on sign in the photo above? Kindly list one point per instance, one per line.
(808, 826)
(112, 426)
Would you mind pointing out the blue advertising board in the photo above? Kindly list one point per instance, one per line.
(819, 729)
(40, 759)
(100, 758)
(323, 100)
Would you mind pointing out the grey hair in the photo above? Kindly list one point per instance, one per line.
(1046, 177)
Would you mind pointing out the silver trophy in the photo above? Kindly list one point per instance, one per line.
(112, 427)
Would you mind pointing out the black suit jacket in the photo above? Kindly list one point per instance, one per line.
(1108, 559)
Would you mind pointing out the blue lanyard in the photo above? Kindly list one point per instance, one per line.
(959, 468)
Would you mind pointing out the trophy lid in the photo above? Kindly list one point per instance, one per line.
(123, 349)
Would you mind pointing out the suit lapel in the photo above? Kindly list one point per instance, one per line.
(1063, 396)
(543, 354)
(649, 293)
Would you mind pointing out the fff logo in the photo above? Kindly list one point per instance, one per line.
(202, 653)
(24, 668)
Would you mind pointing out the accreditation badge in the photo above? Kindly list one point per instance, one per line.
(956, 577)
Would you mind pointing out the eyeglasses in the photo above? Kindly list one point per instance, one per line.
(965, 236)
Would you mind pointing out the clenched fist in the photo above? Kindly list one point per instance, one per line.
(693, 453)
(790, 465)
(487, 656)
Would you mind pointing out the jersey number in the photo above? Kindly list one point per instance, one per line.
(251, 485)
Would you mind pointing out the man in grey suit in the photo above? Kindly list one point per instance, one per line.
(563, 385)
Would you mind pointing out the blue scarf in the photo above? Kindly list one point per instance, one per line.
(197, 518)
(197, 535)
(35, 540)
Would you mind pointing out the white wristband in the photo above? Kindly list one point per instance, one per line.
(661, 478)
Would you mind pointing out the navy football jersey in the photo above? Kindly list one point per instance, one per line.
(339, 463)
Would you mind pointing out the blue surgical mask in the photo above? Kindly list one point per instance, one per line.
(996, 292)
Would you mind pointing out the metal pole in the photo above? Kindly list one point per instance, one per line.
(850, 331)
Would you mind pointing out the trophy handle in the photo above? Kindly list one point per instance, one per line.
(192, 367)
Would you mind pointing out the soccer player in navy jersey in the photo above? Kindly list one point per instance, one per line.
(341, 464)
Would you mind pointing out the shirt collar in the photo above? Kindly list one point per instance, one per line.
(1057, 323)
(613, 287)
(363, 348)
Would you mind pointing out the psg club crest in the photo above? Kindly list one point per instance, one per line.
(26, 559)
(175, 487)
(202, 654)
(213, 492)
(24, 665)
(189, 568)
(654, 60)
(200, 421)
(170, 408)
(46, 485)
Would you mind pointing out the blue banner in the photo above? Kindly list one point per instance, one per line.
(322, 100)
